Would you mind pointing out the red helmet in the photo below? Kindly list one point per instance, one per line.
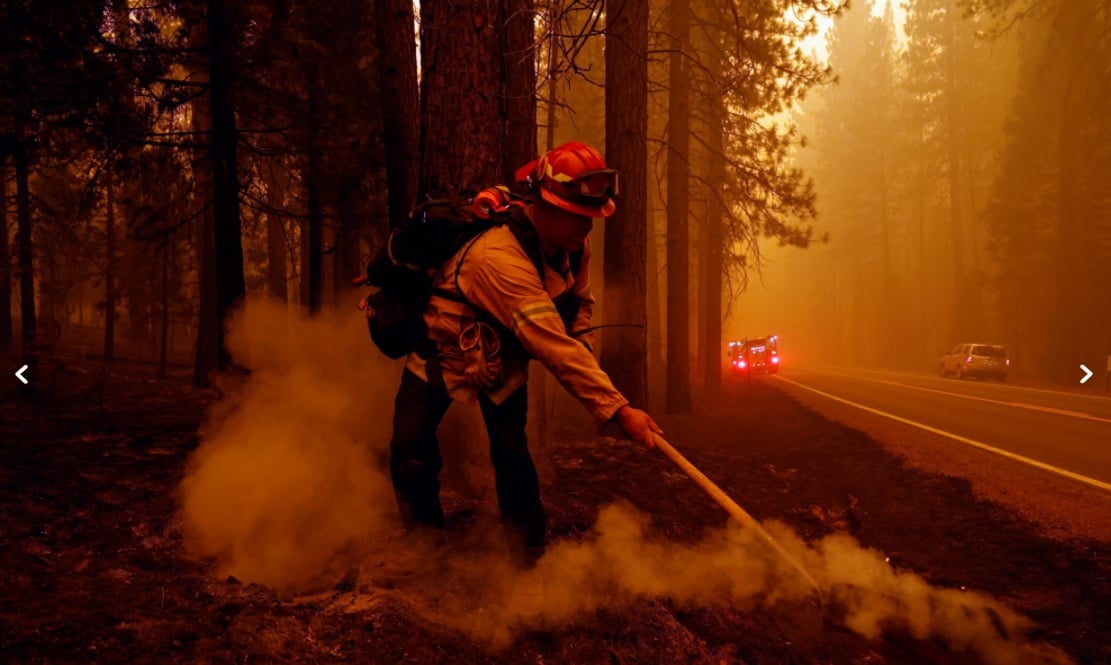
(573, 177)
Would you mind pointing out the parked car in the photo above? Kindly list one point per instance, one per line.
(759, 355)
(976, 360)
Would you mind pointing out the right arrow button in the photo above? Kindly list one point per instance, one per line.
(1087, 374)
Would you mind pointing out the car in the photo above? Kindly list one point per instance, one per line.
(976, 360)
(759, 355)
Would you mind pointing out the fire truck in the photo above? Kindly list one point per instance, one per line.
(756, 355)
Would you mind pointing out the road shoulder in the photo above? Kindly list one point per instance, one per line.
(1061, 507)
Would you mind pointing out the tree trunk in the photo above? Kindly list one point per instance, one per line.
(553, 79)
(110, 268)
(230, 283)
(130, 254)
(625, 353)
(657, 325)
(207, 349)
(678, 241)
(1068, 250)
(5, 264)
(953, 124)
(277, 286)
(925, 321)
(520, 91)
(207, 353)
(346, 256)
(397, 57)
(23, 238)
(461, 69)
(315, 247)
(712, 262)
(163, 342)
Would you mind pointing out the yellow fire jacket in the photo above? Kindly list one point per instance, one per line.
(497, 276)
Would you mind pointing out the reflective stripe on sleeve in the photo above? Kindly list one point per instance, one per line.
(544, 310)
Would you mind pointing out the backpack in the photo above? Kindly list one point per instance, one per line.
(405, 266)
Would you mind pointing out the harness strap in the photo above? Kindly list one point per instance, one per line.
(567, 304)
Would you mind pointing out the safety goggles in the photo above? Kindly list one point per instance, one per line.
(592, 188)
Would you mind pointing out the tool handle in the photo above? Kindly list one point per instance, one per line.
(730, 506)
(708, 486)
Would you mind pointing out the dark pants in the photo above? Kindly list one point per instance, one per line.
(415, 461)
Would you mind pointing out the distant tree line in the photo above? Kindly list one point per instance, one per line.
(962, 171)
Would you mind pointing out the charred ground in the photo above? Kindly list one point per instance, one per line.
(96, 566)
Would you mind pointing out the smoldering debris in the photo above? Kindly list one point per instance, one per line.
(486, 598)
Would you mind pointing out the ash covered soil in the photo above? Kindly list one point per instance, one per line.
(97, 567)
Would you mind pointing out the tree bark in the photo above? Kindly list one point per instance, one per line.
(315, 247)
(164, 338)
(5, 263)
(520, 91)
(712, 262)
(110, 268)
(277, 286)
(23, 238)
(397, 57)
(625, 353)
(461, 69)
(678, 240)
(230, 282)
(953, 124)
(207, 348)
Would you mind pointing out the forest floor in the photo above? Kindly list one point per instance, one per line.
(914, 565)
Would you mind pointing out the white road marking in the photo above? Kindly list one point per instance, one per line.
(957, 437)
(1020, 405)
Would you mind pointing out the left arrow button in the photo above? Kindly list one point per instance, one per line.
(19, 374)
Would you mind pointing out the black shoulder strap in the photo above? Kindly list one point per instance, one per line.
(522, 229)
(526, 236)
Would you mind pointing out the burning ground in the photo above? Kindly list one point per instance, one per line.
(143, 521)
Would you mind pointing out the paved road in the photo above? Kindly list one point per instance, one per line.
(1062, 432)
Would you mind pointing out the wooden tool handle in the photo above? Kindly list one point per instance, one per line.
(730, 506)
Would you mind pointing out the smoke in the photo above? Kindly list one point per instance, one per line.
(289, 471)
(492, 602)
(288, 488)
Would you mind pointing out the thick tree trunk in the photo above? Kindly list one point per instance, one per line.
(657, 325)
(230, 282)
(23, 239)
(678, 240)
(953, 124)
(164, 324)
(110, 268)
(314, 249)
(207, 352)
(461, 70)
(277, 239)
(925, 321)
(207, 348)
(625, 353)
(397, 53)
(5, 264)
(520, 90)
(712, 263)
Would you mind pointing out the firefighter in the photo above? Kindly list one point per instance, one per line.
(489, 314)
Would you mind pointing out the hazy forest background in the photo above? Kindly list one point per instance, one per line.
(901, 177)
